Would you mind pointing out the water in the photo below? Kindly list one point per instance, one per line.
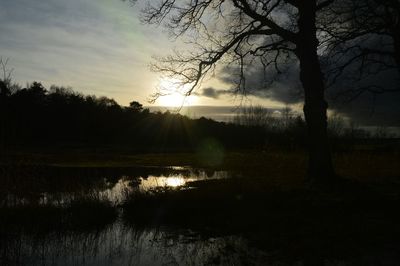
(79, 216)
(61, 186)
(179, 179)
(115, 241)
(125, 245)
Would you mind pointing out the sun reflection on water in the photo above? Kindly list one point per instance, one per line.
(174, 181)
(170, 181)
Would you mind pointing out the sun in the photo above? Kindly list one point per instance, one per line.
(174, 94)
(173, 99)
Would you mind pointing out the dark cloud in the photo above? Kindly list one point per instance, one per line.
(369, 109)
(366, 90)
(365, 101)
(284, 87)
(214, 93)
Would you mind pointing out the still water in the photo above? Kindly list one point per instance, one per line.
(59, 186)
(125, 245)
(117, 242)
(76, 216)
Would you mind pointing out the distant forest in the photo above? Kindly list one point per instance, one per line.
(60, 117)
(36, 117)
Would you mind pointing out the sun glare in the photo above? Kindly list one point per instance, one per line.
(174, 94)
(174, 99)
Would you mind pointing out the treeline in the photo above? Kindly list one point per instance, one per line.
(286, 129)
(36, 117)
(59, 117)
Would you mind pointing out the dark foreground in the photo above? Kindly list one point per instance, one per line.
(251, 209)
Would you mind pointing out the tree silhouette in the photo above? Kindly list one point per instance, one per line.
(5, 80)
(60, 118)
(136, 106)
(362, 43)
(275, 32)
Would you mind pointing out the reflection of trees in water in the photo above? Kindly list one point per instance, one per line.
(123, 245)
(43, 185)
(38, 185)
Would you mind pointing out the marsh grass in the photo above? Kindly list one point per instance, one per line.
(80, 214)
(297, 223)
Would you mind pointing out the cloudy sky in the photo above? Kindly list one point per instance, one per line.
(100, 47)
(96, 47)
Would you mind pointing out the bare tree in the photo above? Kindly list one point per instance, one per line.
(362, 45)
(336, 125)
(5, 92)
(254, 116)
(243, 32)
(5, 81)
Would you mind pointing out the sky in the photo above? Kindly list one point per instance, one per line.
(100, 47)
(96, 47)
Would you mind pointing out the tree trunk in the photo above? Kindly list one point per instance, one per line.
(320, 168)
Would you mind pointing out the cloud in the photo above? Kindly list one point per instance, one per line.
(214, 93)
(266, 83)
(370, 109)
(89, 45)
(366, 90)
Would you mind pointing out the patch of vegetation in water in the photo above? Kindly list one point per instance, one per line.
(80, 215)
